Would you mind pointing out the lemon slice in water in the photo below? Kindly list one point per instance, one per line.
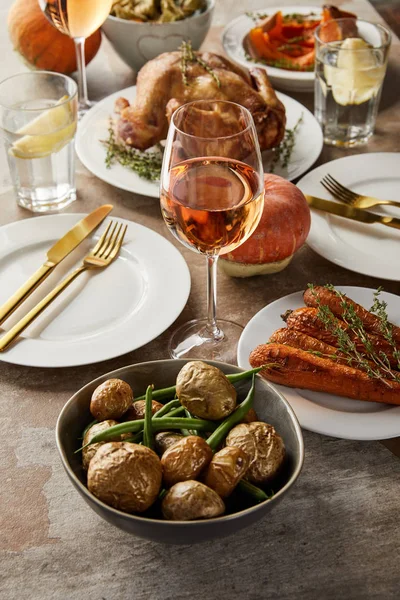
(46, 134)
(357, 76)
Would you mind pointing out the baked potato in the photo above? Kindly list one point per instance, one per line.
(90, 451)
(263, 446)
(111, 399)
(205, 391)
(126, 476)
(225, 470)
(137, 409)
(189, 500)
(164, 439)
(185, 459)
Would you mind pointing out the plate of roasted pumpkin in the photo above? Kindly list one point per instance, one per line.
(335, 355)
(280, 40)
(120, 140)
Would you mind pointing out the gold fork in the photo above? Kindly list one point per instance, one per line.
(101, 256)
(342, 193)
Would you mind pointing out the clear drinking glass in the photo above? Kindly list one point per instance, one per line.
(350, 65)
(212, 195)
(78, 19)
(38, 116)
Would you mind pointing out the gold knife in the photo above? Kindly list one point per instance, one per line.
(55, 255)
(357, 214)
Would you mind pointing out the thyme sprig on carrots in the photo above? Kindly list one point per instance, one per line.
(145, 164)
(375, 363)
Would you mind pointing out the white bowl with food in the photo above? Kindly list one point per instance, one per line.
(138, 41)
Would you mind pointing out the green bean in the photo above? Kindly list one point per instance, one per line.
(220, 433)
(252, 490)
(174, 413)
(164, 393)
(134, 439)
(166, 408)
(88, 427)
(147, 428)
(189, 416)
(157, 425)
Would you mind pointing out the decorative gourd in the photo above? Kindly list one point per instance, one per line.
(42, 45)
(282, 230)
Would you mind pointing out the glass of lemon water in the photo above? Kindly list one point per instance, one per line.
(350, 66)
(38, 117)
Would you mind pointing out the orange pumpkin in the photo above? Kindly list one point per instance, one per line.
(282, 230)
(41, 44)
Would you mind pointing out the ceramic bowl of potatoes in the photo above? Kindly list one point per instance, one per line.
(180, 451)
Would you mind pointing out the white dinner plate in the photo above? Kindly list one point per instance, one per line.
(94, 127)
(325, 413)
(232, 41)
(368, 249)
(103, 313)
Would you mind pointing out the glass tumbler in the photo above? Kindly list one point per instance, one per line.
(38, 117)
(350, 66)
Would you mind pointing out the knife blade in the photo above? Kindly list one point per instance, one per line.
(55, 255)
(348, 212)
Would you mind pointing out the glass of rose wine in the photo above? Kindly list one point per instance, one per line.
(212, 196)
(78, 19)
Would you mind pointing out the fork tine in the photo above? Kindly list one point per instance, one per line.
(100, 251)
(101, 240)
(344, 189)
(112, 242)
(118, 244)
(328, 186)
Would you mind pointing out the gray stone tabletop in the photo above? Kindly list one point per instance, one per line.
(335, 536)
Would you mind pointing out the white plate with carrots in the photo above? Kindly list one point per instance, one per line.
(324, 413)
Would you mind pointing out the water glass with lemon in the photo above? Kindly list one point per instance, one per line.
(350, 66)
(38, 117)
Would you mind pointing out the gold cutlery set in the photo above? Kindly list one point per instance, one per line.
(103, 253)
(352, 205)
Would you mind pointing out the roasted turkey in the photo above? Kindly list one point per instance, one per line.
(163, 85)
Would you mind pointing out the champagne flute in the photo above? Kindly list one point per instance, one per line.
(212, 195)
(78, 19)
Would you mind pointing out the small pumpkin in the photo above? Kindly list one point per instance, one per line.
(42, 45)
(282, 230)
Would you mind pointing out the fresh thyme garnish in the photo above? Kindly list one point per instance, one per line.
(283, 152)
(145, 164)
(256, 16)
(189, 56)
(375, 363)
(281, 63)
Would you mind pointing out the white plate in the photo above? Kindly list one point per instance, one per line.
(368, 249)
(102, 314)
(325, 413)
(232, 41)
(94, 127)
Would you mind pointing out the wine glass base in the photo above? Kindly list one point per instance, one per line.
(194, 340)
(84, 107)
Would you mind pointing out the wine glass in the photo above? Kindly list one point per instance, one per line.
(78, 19)
(212, 196)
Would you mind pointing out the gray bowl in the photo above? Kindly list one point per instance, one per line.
(271, 407)
(136, 43)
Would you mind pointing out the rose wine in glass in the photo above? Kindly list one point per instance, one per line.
(212, 196)
(78, 19)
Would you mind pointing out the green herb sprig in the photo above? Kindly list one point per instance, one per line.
(284, 151)
(375, 364)
(188, 56)
(280, 63)
(145, 164)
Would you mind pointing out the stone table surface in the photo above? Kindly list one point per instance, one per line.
(337, 533)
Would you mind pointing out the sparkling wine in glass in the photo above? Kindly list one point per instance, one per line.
(78, 19)
(212, 196)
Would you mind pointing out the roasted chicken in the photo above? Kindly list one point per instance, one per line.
(164, 84)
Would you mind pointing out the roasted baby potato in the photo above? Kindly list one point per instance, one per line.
(263, 446)
(205, 391)
(185, 459)
(225, 470)
(111, 399)
(189, 500)
(164, 439)
(137, 409)
(90, 451)
(126, 476)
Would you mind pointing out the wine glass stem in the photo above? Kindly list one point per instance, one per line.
(80, 61)
(212, 326)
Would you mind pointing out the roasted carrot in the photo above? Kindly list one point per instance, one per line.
(300, 369)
